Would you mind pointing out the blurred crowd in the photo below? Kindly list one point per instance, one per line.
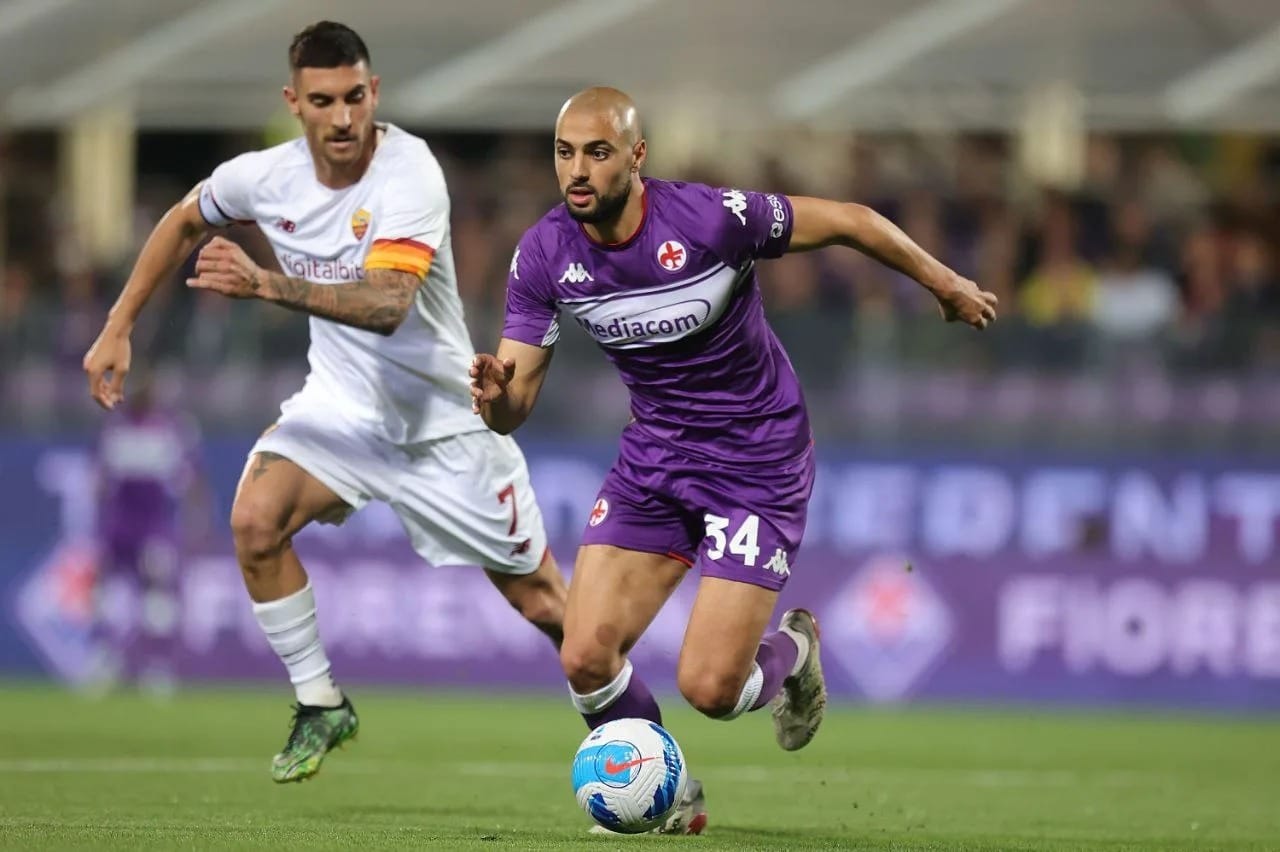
(1162, 253)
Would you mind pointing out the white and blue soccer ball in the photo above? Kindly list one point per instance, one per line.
(628, 775)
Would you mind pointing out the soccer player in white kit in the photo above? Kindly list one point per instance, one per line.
(358, 216)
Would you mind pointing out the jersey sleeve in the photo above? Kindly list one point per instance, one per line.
(532, 314)
(226, 196)
(413, 219)
(750, 225)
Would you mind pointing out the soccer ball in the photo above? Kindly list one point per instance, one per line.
(628, 775)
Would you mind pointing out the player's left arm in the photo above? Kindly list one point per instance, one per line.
(379, 302)
(818, 223)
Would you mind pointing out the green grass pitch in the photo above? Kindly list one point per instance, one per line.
(463, 772)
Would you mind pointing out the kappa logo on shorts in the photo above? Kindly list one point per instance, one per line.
(599, 512)
(778, 563)
(360, 223)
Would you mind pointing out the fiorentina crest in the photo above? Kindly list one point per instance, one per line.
(886, 626)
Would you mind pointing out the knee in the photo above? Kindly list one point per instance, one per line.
(258, 537)
(710, 692)
(588, 666)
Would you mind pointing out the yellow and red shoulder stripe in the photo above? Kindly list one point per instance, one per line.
(405, 255)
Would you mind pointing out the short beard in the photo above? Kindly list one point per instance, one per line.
(608, 207)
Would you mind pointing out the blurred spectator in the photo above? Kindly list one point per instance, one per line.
(1134, 299)
(1056, 299)
(21, 334)
(1061, 286)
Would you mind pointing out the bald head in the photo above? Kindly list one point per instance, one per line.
(599, 153)
(607, 105)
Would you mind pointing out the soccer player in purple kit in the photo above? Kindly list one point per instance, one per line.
(716, 467)
(148, 467)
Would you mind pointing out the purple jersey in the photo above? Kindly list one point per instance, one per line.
(677, 309)
(146, 462)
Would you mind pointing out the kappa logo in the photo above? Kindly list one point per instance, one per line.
(515, 265)
(672, 256)
(736, 203)
(575, 273)
(360, 223)
(778, 563)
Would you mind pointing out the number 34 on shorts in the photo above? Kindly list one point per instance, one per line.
(744, 543)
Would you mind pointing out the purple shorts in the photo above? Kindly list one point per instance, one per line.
(739, 523)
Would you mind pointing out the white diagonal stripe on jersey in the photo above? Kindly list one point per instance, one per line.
(646, 291)
(640, 318)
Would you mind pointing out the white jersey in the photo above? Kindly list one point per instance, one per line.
(411, 386)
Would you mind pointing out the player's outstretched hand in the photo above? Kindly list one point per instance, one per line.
(964, 301)
(110, 353)
(222, 266)
(489, 379)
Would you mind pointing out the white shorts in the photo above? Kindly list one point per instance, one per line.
(463, 500)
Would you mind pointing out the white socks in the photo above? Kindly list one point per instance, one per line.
(750, 692)
(603, 698)
(290, 626)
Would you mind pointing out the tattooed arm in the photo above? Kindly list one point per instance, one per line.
(379, 302)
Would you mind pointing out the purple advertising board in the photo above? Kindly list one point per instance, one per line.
(982, 578)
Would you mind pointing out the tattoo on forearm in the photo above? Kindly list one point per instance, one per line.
(293, 292)
(265, 460)
(377, 302)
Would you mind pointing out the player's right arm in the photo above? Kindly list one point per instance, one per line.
(505, 386)
(172, 240)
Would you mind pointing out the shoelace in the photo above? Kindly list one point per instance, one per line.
(300, 712)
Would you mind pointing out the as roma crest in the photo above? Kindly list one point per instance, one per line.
(360, 223)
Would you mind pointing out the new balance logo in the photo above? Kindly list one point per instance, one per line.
(736, 203)
(575, 274)
(778, 563)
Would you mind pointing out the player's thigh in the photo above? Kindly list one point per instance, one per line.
(278, 494)
(636, 548)
(754, 525)
(468, 500)
(614, 595)
(728, 620)
(307, 467)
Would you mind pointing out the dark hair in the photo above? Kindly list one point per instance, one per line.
(326, 44)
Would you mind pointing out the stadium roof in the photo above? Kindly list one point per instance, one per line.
(869, 64)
